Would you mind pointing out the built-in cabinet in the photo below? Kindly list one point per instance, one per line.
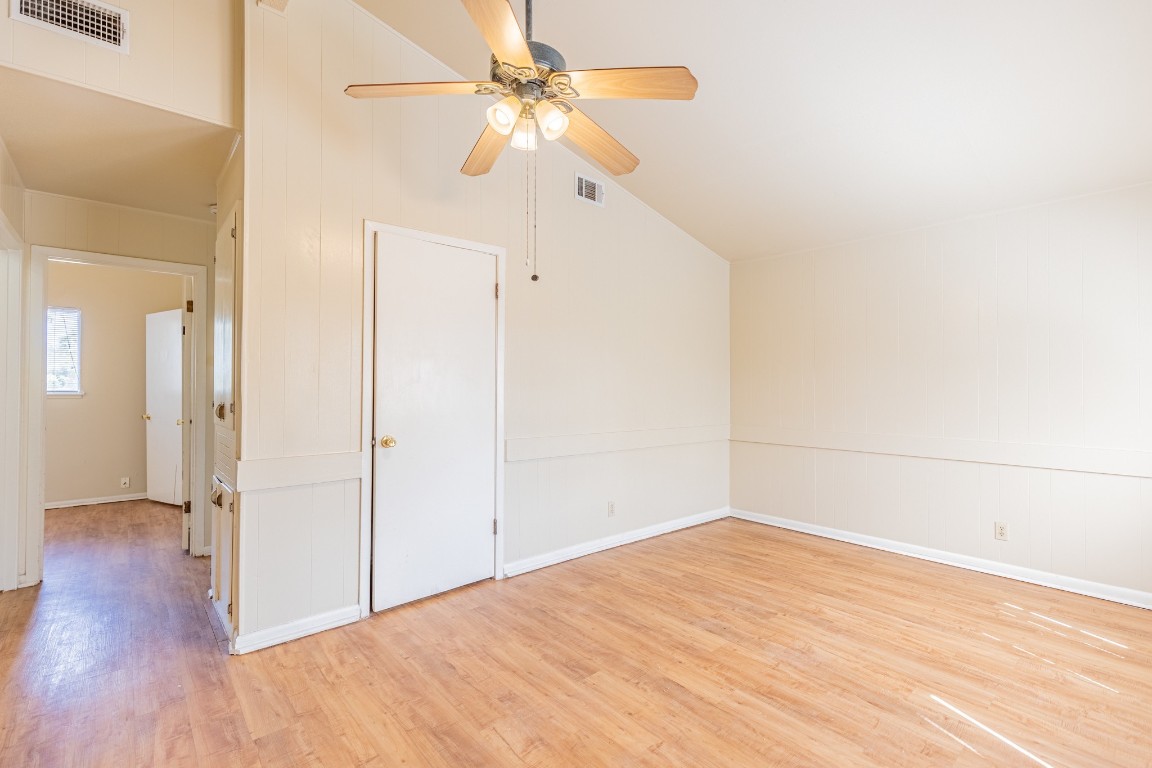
(225, 519)
(225, 500)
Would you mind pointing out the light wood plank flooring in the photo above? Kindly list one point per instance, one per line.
(727, 644)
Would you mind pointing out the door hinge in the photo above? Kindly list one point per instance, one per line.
(187, 507)
(229, 609)
(493, 526)
(497, 290)
(189, 306)
(233, 233)
(232, 408)
(183, 330)
(231, 507)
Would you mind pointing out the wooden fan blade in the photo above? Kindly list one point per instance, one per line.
(498, 25)
(632, 83)
(384, 90)
(599, 144)
(483, 157)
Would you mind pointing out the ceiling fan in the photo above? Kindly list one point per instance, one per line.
(538, 91)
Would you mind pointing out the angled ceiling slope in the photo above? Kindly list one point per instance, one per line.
(817, 123)
(73, 141)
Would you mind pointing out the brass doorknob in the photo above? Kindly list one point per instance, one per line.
(179, 422)
(147, 417)
(220, 411)
(387, 441)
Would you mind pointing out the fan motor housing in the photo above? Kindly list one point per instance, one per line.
(546, 58)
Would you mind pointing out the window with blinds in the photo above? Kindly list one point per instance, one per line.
(63, 337)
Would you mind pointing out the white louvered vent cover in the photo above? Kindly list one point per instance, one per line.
(590, 190)
(89, 20)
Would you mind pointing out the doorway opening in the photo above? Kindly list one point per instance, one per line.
(85, 446)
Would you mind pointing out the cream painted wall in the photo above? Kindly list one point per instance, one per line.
(85, 225)
(921, 386)
(183, 57)
(92, 441)
(625, 334)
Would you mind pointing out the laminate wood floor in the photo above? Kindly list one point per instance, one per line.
(729, 644)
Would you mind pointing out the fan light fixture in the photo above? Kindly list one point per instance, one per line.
(524, 135)
(502, 115)
(553, 121)
(512, 116)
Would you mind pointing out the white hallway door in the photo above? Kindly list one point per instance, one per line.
(434, 489)
(163, 397)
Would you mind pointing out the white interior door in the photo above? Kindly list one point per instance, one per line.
(434, 491)
(163, 395)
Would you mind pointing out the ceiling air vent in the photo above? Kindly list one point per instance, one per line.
(89, 20)
(590, 190)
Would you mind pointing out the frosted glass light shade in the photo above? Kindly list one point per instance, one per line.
(553, 121)
(502, 115)
(524, 136)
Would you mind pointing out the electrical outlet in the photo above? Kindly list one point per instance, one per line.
(1002, 531)
(611, 509)
(125, 482)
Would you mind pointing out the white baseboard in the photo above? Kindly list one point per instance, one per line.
(619, 539)
(1123, 595)
(89, 502)
(254, 641)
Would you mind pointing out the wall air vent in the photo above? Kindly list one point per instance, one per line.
(590, 190)
(89, 20)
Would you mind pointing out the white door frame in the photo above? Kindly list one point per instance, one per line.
(34, 368)
(371, 228)
(11, 391)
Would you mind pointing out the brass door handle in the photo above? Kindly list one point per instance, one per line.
(147, 417)
(179, 422)
(387, 441)
(220, 411)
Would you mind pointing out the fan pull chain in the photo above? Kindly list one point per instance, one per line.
(535, 213)
(530, 207)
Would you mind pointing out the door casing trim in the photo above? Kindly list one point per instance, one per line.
(34, 375)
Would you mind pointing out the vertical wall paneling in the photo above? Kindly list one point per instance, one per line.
(85, 225)
(340, 233)
(11, 201)
(1007, 372)
(11, 367)
(625, 334)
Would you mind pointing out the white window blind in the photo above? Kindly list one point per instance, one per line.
(63, 336)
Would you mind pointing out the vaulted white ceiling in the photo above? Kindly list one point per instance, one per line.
(821, 121)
